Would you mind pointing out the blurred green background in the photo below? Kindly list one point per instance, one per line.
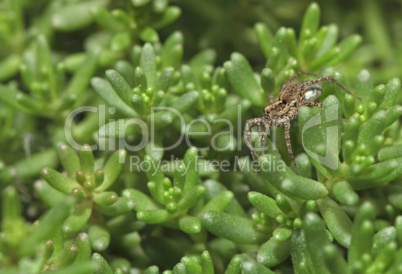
(227, 26)
(46, 76)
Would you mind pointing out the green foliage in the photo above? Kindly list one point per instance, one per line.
(156, 175)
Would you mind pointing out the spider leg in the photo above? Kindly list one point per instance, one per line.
(284, 110)
(263, 137)
(271, 98)
(331, 79)
(313, 104)
(291, 79)
(249, 125)
(298, 74)
(288, 144)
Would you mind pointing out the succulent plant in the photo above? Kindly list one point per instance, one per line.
(122, 145)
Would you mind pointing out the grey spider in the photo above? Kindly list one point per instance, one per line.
(292, 96)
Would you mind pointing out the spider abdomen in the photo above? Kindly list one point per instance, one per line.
(312, 92)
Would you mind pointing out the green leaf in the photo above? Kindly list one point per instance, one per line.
(206, 263)
(373, 127)
(310, 23)
(351, 133)
(120, 41)
(87, 160)
(392, 89)
(382, 238)
(122, 206)
(149, 34)
(362, 234)
(76, 15)
(11, 208)
(288, 183)
(316, 238)
(48, 225)
(82, 77)
(122, 128)
(169, 16)
(9, 66)
(219, 203)
(301, 258)
(99, 237)
(344, 193)
(78, 218)
(138, 104)
(148, 64)
(165, 79)
(334, 260)
(202, 60)
(142, 201)
(120, 86)
(329, 41)
(282, 234)
(303, 165)
(384, 259)
(249, 265)
(103, 266)
(273, 252)
(264, 204)
(48, 194)
(106, 20)
(153, 216)
(234, 266)
(264, 36)
(376, 175)
(106, 91)
(222, 225)
(18, 100)
(345, 49)
(65, 257)
(156, 177)
(390, 152)
(139, 3)
(393, 113)
(30, 167)
(190, 225)
(152, 270)
(126, 69)
(59, 181)
(191, 265)
(112, 169)
(190, 161)
(398, 227)
(106, 198)
(159, 6)
(279, 54)
(172, 50)
(191, 197)
(336, 220)
(84, 248)
(241, 78)
(268, 80)
(69, 160)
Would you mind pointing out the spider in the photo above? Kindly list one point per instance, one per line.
(292, 96)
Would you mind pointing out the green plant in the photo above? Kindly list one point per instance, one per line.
(121, 203)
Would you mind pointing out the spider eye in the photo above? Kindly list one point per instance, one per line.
(266, 110)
